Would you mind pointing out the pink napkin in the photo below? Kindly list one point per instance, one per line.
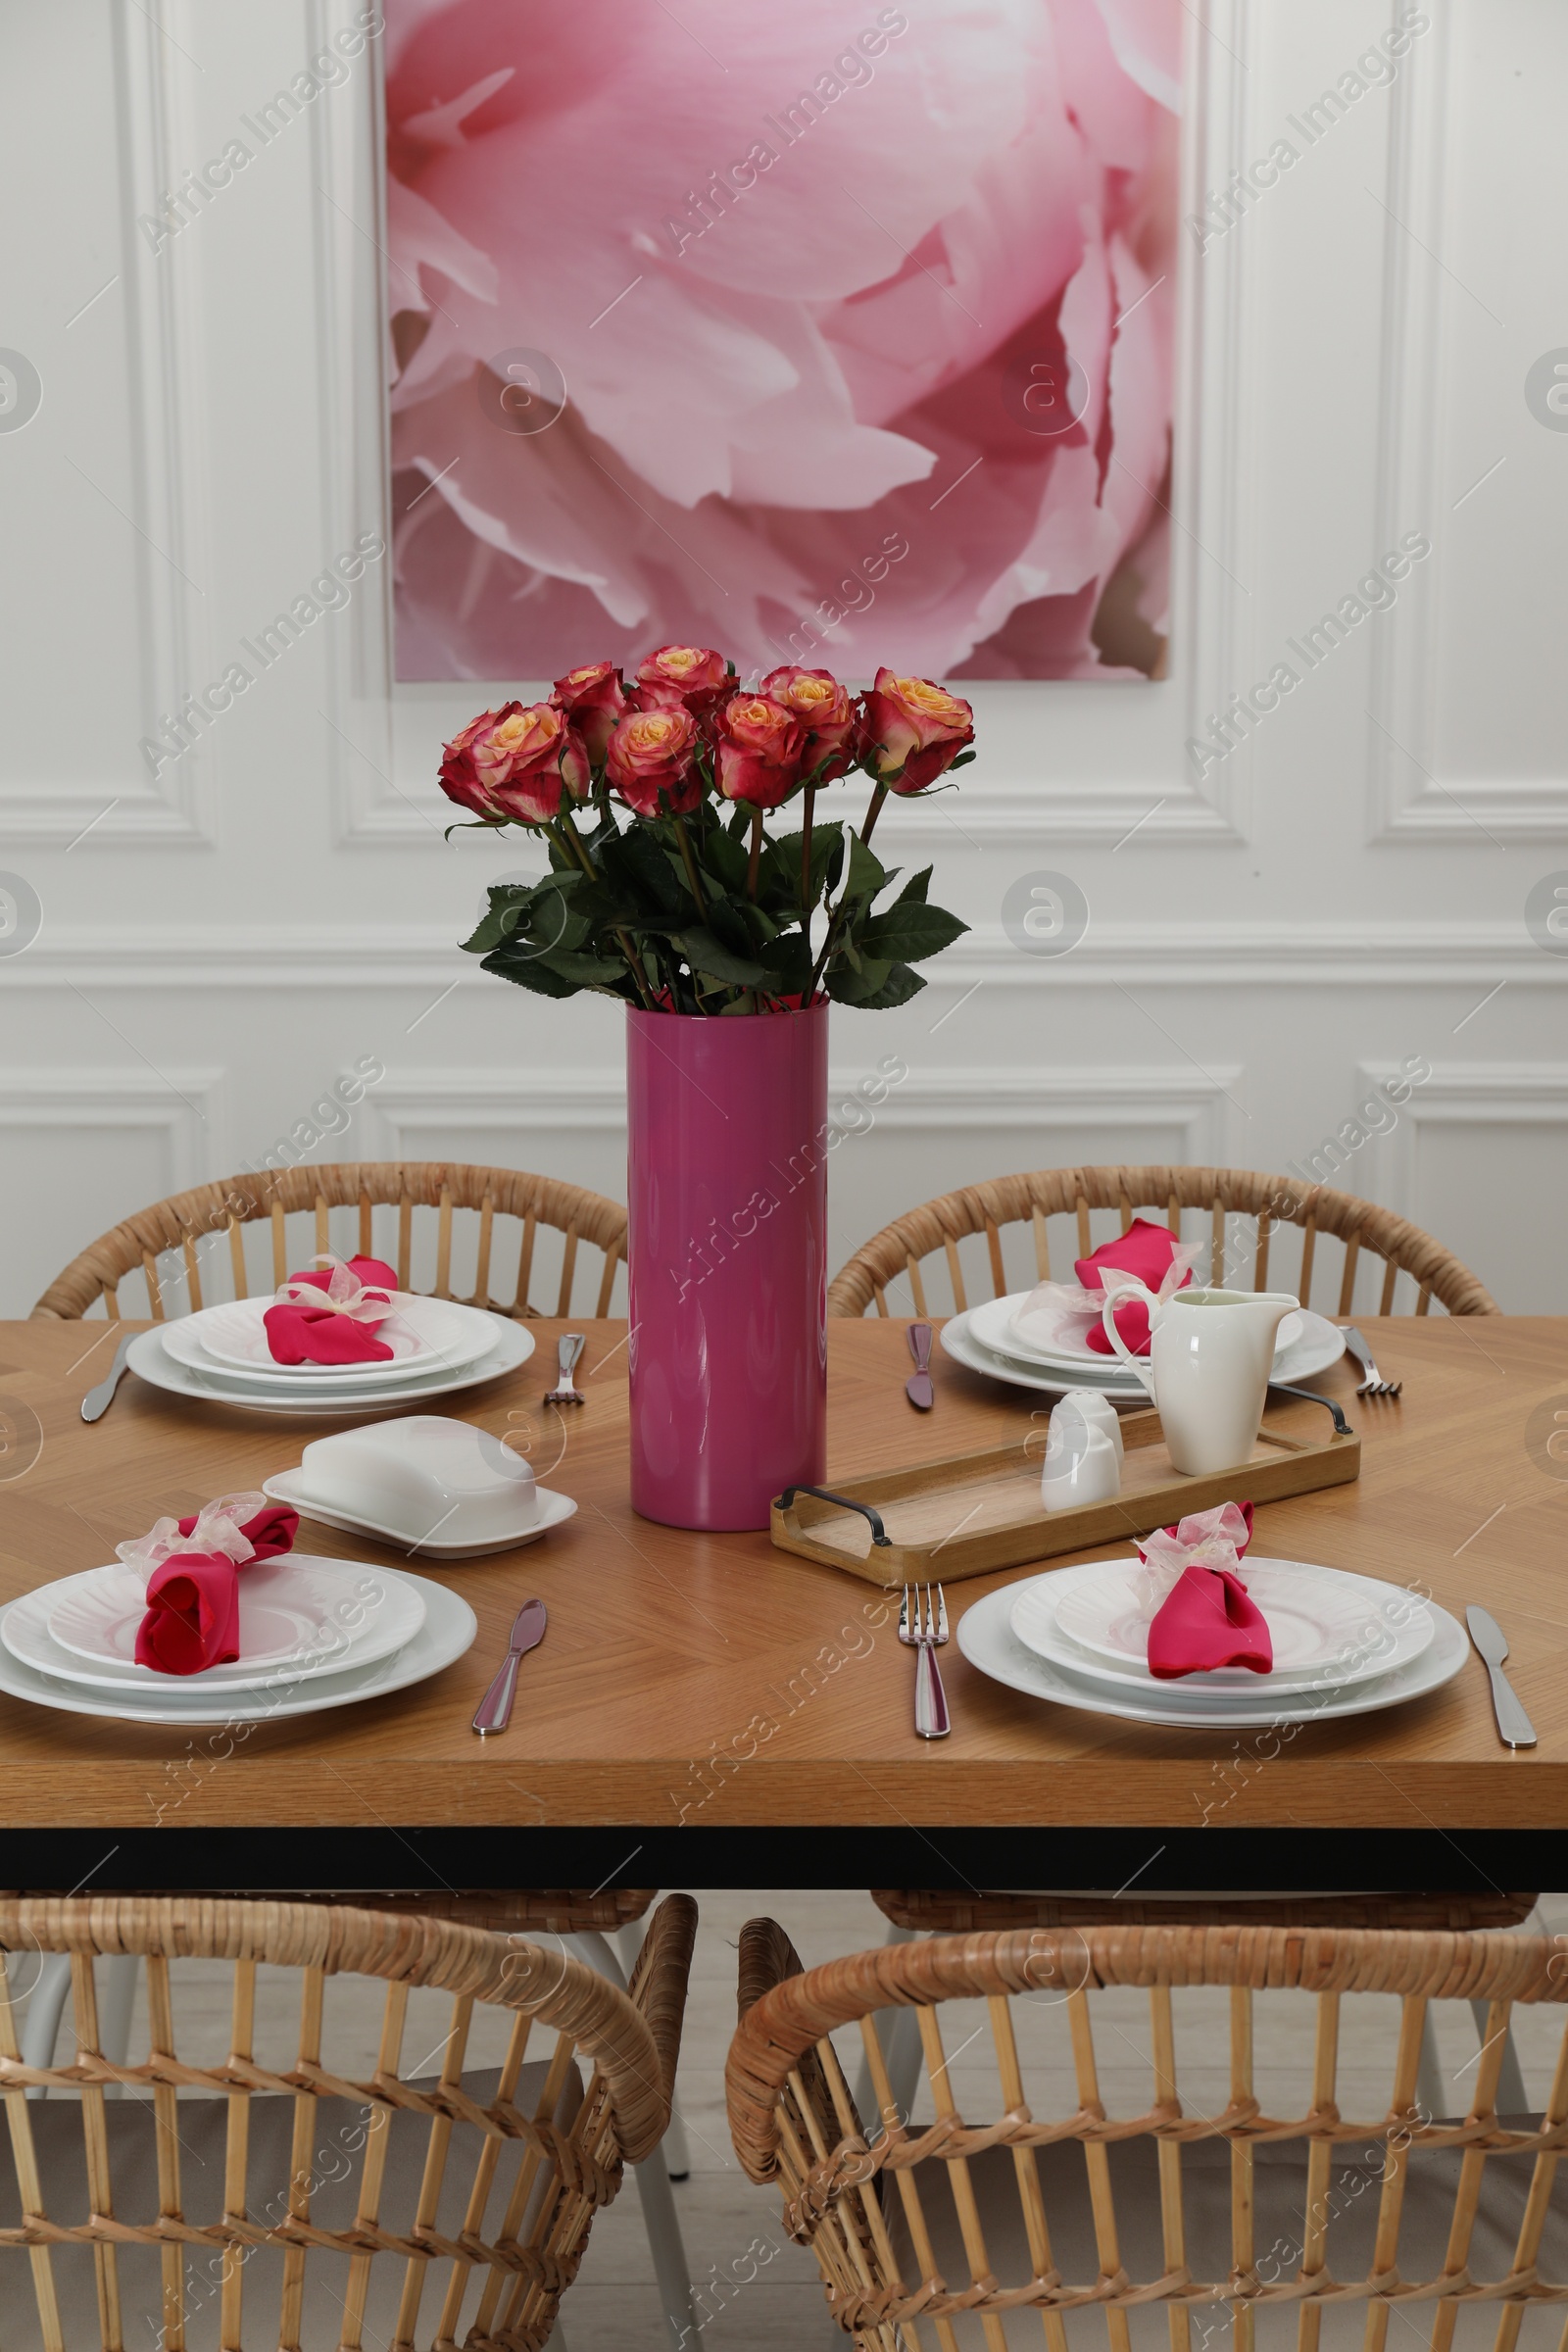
(1144, 1250)
(192, 1618)
(1208, 1617)
(361, 1295)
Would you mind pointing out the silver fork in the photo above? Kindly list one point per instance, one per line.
(569, 1347)
(1374, 1384)
(925, 1633)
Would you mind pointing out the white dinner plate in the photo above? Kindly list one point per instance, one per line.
(311, 1615)
(289, 1486)
(987, 1639)
(1320, 1345)
(429, 1337)
(992, 1325)
(449, 1630)
(148, 1357)
(1373, 1639)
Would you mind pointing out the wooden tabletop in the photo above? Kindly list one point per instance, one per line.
(711, 1679)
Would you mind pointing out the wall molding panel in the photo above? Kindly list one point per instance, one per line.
(383, 956)
(1406, 802)
(168, 516)
(185, 1106)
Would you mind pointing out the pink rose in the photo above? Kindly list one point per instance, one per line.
(593, 699)
(913, 730)
(827, 711)
(760, 747)
(517, 763)
(689, 674)
(652, 760)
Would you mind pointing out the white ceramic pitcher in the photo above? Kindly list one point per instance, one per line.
(1207, 1371)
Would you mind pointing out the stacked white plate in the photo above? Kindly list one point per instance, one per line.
(222, 1354)
(1343, 1644)
(314, 1633)
(984, 1339)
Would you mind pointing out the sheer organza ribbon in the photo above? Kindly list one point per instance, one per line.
(1040, 1318)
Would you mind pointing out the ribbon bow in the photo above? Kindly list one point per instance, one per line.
(1192, 1590)
(329, 1317)
(192, 1570)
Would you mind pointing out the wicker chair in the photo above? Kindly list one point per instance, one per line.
(1021, 2210)
(174, 1247)
(338, 2200)
(1263, 1204)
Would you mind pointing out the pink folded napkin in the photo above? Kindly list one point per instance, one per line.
(1207, 1617)
(1145, 1249)
(329, 1315)
(192, 1567)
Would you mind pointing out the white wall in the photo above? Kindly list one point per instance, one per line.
(1342, 892)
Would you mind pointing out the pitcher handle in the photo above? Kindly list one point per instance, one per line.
(1128, 1286)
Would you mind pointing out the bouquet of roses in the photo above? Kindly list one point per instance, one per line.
(652, 799)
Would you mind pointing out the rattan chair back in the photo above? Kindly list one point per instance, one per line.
(458, 2217)
(954, 2230)
(189, 1251)
(1243, 1219)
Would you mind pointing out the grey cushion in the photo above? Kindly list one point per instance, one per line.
(1280, 2184)
(336, 2165)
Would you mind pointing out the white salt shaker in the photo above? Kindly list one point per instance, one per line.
(1082, 1461)
(1098, 1410)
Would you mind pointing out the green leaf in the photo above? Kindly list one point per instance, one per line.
(530, 972)
(779, 873)
(589, 971)
(788, 960)
(729, 927)
(707, 954)
(909, 931)
(850, 986)
(900, 985)
(868, 874)
(916, 888)
(725, 856)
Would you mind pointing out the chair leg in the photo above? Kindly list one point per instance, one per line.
(900, 2032)
(1512, 2098)
(659, 2218)
(1432, 2094)
(117, 2000)
(678, 2157)
(46, 2005)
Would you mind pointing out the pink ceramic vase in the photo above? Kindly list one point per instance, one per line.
(728, 1257)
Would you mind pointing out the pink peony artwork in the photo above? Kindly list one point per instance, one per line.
(839, 334)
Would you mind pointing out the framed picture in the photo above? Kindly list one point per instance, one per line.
(838, 334)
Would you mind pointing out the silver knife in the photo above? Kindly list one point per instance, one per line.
(918, 1388)
(495, 1708)
(96, 1402)
(1514, 1726)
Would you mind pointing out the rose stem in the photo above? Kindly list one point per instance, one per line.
(806, 855)
(566, 833)
(757, 854)
(689, 864)
(817, 969)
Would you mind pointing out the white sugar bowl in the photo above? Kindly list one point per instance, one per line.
(425, 1479)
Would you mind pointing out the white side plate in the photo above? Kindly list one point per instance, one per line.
(309, 1613)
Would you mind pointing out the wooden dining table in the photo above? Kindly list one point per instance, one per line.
(707, 1710)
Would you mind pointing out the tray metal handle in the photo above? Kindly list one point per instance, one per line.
(879, 1533)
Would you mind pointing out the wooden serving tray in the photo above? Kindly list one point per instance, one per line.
(977, 1513)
